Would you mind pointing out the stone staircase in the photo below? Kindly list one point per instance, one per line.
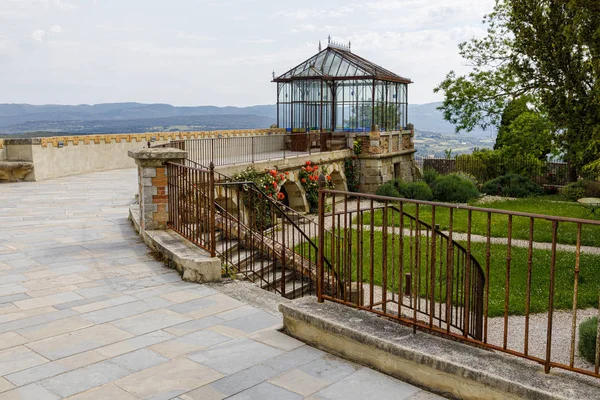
(265, 270)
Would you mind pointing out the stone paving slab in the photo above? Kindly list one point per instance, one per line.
(87, 314)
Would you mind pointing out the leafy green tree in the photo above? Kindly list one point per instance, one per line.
(513, 109)
(547, 49)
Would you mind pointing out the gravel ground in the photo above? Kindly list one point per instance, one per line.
(538, 326)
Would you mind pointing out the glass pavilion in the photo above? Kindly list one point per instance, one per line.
(336, 90)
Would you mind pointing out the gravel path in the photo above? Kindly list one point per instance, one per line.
(538, 326)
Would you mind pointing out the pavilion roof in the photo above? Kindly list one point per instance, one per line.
(339, 63)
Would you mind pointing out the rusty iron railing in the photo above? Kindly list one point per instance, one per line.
(248, 149)
(427, 265)
(253, 235)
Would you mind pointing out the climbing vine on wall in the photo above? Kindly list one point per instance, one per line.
(351, 171)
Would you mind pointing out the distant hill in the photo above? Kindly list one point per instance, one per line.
(427, 118)
(138, 117)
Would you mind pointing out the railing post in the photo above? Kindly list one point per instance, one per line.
(321, 235)
(551, 298)
(252, 143)
(211, 188)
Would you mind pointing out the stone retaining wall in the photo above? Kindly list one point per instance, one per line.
(58, 156)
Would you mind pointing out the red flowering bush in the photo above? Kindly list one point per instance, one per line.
(272, 183)
(309, 177)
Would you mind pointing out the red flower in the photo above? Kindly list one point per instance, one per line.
(280, 196)
(267, 187)
(273, 172)
(274, 184)
(328, 177)
(309, 169)
(307, 162)
(315, 167)
(303, 180)
(281, 176)
(287, 172)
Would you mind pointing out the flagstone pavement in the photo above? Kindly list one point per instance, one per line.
(87, 313)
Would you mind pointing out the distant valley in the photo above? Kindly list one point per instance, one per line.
(434, 134)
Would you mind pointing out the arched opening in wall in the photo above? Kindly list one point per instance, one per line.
(338, 180)
(294, 196)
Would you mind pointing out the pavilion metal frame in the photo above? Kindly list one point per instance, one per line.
(337, 90)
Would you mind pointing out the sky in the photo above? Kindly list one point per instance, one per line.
(211, 52)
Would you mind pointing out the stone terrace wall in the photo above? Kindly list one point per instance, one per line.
(2, 150)
(58, 156)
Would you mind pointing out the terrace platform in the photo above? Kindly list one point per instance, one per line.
(87, 313)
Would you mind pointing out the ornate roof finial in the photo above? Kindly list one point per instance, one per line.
(273, 74)
(349, 45)
(319, 46)
(329, 39)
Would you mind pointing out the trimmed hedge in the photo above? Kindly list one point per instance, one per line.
(588, 331)
(411, 190)
(576, 190)
(387, 189)
(453, 189)
(414, 190)
(512, 185)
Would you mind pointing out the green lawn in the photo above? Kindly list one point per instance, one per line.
(589, 284)
(567, 232)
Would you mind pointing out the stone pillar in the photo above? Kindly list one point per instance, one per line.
(375, 140)
(153, 184)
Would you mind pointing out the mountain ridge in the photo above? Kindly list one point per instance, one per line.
(127, 117)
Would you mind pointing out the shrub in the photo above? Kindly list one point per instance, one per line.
(588, 330)
(415, 190)
(452, 188)
(573, 191)
(512, 185)
(387, 189)
(581, 188)
(430, 175)
(467, 176)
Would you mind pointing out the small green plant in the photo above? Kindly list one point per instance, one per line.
(453, 189)
(588, 331)
(512, 185)
(387, 189)
(357, 147)
(448, 153)
(430, 175)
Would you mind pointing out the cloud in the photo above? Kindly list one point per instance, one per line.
(20, 9)
(38, 35)
(258, 41)
(312, 13)
(194, 36)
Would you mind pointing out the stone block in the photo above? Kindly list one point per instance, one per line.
(148, 172)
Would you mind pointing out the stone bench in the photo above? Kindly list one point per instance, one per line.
(14, 171)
